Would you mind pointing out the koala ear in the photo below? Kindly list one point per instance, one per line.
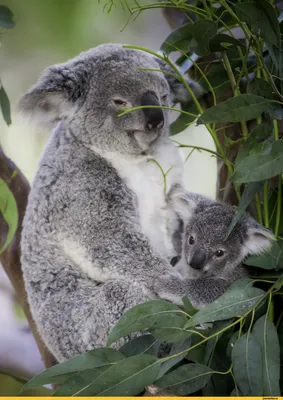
(56, 94)
(258, 239)
(179, 93)
(182, 203)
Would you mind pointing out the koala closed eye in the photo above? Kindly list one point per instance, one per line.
(120, 102)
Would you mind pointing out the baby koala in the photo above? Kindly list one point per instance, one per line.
(206, 256)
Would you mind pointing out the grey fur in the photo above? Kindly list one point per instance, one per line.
(87, 253)
(207, 222)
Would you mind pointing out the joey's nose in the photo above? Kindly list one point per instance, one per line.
(154, 117)
(198, 259)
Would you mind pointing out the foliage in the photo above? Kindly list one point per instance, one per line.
(240, 353)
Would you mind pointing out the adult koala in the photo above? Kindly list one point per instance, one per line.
(94, 240)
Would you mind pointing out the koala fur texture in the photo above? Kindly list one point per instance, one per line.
(207, 256)
(94, 240)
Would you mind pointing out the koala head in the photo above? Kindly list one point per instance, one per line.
(206, 250)
(88, 93)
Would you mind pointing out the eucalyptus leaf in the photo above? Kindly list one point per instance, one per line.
(260, 167)
(181, 123)
(9, 211)
(5, 106)
(90, 360)
(186, 379)
(241, 108)
(258, 135)
(247, 365)
(270, 259)
(235, 302)
(202, 33)
(175, 349)
(145, 344)
(250, 190)
(216, 43)
(157, 314)
(179, 38)
(265, 333)
(125, 378)
(6, 18)
(261, 18)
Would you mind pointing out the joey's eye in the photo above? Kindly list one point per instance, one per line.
(219, 253)
(120, 102)
(191, 240)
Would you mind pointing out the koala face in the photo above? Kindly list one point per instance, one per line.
(89, 92)
(206, 250)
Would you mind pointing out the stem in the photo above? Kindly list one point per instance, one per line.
(234, 87)
(198, 148)
(279, 193)
(265, 204)
(258, 209)
(128, 110)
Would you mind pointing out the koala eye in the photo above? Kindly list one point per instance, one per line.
(120, 102)
(164, 97)
(191, 240)
(219, 253)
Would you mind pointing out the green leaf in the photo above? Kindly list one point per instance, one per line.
(271, 259)
(250, 190)
(261, 18)
(261, 88)
(186, 379)
(265, 332)
(202, 32)
(145, 344)
(215, 43)
(260, 167)
(241, 108)
(247, 365)
(6, 18)
(240, 298)
(179, 38)
(90, 360)
(183, 120)
(79, 380)
(153, 314)
(125, 378)
(176, 349)
(260, 133)
(9, 210)
(5, 106)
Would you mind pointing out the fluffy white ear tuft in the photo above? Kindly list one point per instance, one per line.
(259, 239)
(181, 202)
(56, 94)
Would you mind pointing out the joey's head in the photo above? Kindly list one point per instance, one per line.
(206, 249)
(90, 91)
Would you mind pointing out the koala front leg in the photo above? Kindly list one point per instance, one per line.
(199, 291)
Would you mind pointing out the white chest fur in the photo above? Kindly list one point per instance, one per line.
(145, 177)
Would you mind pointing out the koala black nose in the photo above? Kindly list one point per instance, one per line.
(154, 116)
(198, 259)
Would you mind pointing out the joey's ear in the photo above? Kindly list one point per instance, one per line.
(57, 93)
(179, 93)
(258, 238)
(181, 202)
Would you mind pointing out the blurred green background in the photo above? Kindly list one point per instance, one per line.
(48, 32)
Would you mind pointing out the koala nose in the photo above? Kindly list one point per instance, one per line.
(154, 116)
(198, 259)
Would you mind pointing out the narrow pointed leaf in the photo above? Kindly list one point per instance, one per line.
(241, 108)
(6, 18)
(271, 259)
(216, 43)
(240, 298)
(92, 359)
(186, 379)
(179, 38)
(5, 106)
(266, 334)
(150, 315)
(247, 365)
(260, 167)
(176, 349)
(125, 378)
(9, 211)
(145, 344)
(202, 32)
